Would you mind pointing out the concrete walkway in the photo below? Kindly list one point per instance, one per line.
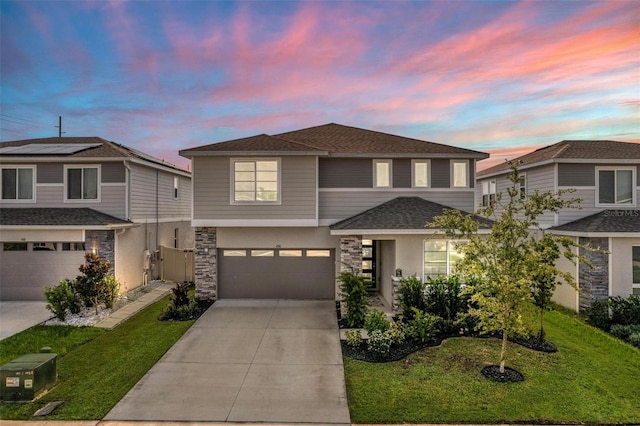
(268, 361)
(18, 316)
(132, 308)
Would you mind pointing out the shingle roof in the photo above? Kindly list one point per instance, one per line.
(38, 216)
(573, 149)
(337, 139)
(261, 142)
(607, 221)
(105, 149)
(399, 213)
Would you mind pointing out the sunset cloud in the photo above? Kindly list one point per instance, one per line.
(161, 76)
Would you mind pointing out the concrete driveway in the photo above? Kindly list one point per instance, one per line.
(18, 316)
(275, 361)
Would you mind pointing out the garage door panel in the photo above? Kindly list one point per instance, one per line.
(271, 277)
(24, 274)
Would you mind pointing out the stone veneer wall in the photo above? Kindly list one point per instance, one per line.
(395, 295)
(594, 283)
(104, 242)
(206, 263)
(351, 253)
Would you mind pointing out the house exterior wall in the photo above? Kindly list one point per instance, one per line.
(566, 295)
(335, 204)
(212, 191)
(152, 195)
(622, 266)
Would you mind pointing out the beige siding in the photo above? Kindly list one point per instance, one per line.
(338, 205)
(565, 294)
(112, 199)
(621, 268)
(144, 193)
(212, 193)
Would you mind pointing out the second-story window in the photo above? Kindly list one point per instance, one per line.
(382, 173)
(420, 171)
(82, 182)
(522, 186)
(615, 186)
(175, 187)
(17, 184)
(256, 181)
(460, 172)
(488, 192)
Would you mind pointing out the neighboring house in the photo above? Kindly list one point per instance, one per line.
(62, 197)
(606, 177)
(281, 216)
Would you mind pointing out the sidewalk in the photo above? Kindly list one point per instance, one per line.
(132, 308)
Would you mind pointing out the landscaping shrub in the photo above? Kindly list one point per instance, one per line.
(111, 291)
(62, 299)
(353, 291)
(396, 333)
(444, 298)
(354, 337)
(625, 311)
(181, 307)
(423, 327)
(90, 285)
(379, 343)
(634, 339)
(624, 332)
(598, 314)
(376, 320)
(412, 296)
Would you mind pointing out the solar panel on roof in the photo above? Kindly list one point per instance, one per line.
(47, 148)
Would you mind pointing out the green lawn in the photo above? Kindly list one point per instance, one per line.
(96, 368)
(593, 378)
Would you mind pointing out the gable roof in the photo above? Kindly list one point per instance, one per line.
(604, 222)
(99, 148)
(253, 144)
(401, 213)
(336, 140)
(44, 216)
(601, 150)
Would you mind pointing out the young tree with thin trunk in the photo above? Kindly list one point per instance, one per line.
(500, 260)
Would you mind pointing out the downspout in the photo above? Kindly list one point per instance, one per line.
(127, 206)
(156, 249)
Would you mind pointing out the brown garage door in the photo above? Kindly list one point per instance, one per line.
(276, 273)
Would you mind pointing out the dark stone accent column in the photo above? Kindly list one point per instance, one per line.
(206, 259)
(351, 253)
(594, 283)
(395, 295)
(104, 243)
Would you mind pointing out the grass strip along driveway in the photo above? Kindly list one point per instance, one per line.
(96, 368)
(593, 378)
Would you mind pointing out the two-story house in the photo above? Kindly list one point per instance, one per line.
(605, 176)
(280, 216)
(62, 197)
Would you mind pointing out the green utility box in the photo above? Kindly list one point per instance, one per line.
(26, 377)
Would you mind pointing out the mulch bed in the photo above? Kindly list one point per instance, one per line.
(396, 353)
(492, 372)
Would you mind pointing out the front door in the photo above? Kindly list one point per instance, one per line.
(369, 262)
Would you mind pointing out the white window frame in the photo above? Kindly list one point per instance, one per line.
(453, 173)
(176, 185)
(489, 189)
(232, 186)
(427, 163)
(633, 186)
(633, 283)
(375, 173)
(33, 184)
(521, 193)
(449, 244)
(98, 182)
